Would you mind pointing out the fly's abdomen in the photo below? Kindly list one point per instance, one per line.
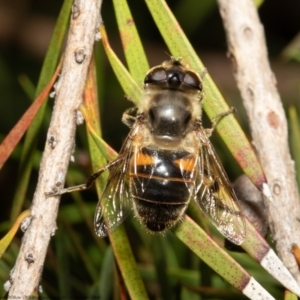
(161, 185)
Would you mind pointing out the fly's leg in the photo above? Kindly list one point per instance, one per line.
(216, 120)
(127, 117)
(88, 183)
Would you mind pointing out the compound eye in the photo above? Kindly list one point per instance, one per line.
(156, 75)
(192, 80)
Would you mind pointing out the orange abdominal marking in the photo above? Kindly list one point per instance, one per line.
(143, 159)
(187, 164)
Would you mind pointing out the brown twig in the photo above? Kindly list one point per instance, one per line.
(257, 83)
(26, 275)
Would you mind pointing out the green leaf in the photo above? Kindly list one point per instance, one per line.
(290, 296)
(107, 270)
(133, 48)
(6, 240)
(295, 139)
(129, 85)
(212, 254)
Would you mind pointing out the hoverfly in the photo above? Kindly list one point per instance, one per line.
(167, 160)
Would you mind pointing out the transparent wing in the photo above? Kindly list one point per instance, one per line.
(214, 193)
(144, 162)
(115, 202)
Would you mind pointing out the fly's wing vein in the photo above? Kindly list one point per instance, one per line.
(115, 202)
(214, 193)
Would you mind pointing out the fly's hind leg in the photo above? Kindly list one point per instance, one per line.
(216, 120)
(88, 183)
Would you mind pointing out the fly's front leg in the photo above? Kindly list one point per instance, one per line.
(216, 120)
(88, 183)
(127, 117)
